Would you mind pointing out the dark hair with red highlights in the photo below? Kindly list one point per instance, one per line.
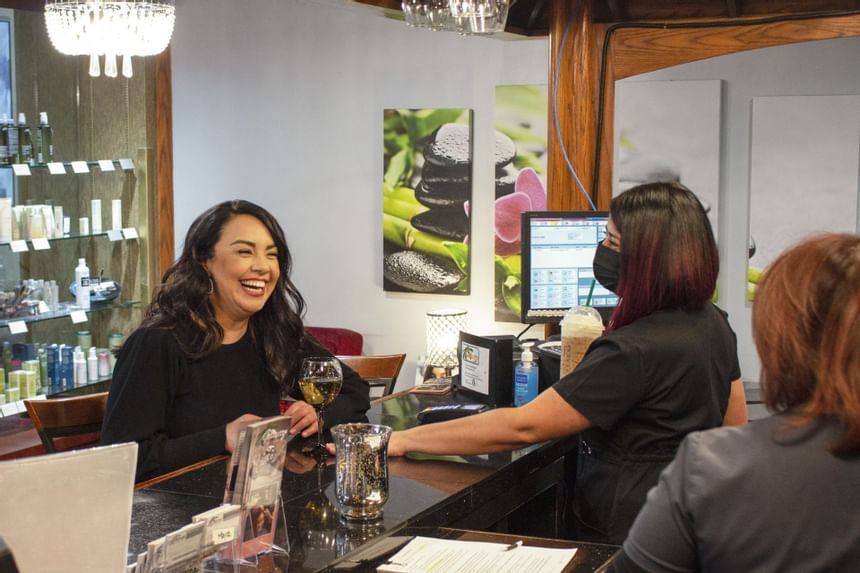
(669, 257)
(806, 327)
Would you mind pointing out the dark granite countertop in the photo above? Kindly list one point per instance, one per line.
(431, 492)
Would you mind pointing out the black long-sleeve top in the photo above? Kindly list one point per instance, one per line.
(176, 408)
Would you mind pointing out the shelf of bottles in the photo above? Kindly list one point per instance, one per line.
(64, 310)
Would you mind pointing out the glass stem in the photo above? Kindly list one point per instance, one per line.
(320, 428)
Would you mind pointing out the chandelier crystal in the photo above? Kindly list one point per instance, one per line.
(110, 28)
(470, 17)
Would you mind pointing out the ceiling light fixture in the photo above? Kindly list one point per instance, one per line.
(470, 17)
(110, 28)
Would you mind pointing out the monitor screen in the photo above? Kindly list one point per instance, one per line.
(557, 253)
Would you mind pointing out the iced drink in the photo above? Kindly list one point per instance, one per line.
(580, 326)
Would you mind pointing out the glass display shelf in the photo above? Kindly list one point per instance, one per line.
(89, 387)
(63, 238)
(67, 309)
(69, 167)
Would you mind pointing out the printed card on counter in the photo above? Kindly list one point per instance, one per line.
(429, 555)
(183, 544)
(222, 524)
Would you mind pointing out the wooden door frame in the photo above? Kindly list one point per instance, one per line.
(585, 111)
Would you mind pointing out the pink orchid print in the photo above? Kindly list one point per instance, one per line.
(529, 195)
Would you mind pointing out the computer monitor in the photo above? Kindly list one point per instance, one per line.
(557, 255)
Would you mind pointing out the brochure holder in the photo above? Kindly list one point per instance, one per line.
(255, 485)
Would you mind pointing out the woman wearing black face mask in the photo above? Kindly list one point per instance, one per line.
(666, 366)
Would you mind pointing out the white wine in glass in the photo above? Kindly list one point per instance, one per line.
(320, 381)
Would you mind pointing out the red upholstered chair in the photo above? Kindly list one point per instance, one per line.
(338, 341)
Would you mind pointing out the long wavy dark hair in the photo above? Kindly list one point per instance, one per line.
(276, 330)
(669, 257)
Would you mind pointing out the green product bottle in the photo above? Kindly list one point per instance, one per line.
(25, 140)
(44, 140)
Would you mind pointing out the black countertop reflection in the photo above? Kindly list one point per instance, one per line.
(424, 491)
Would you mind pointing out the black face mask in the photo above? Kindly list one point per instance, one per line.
(606, 264)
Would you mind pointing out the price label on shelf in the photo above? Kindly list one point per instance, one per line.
(21, 169)
(115, 235)
(126, 164)
(41, 244)
(56, 168)
(78, 316)
(80, 167)
(18, 246)
(106, 164)
(17, 327)
(129, 233)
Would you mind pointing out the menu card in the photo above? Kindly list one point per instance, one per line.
(426, 554)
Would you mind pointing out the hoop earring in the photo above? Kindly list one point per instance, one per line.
(211, 285)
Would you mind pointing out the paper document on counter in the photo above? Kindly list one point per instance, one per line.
(429, 555)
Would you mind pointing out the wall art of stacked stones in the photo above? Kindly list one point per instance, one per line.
(444, 187)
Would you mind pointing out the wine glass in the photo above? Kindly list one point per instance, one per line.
(320, 381)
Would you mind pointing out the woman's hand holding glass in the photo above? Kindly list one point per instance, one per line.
(320, 381)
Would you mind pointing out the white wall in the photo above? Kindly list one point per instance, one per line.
(830, 67)
(280, 102)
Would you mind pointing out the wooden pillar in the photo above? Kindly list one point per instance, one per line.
(164, 161)
(575, 103)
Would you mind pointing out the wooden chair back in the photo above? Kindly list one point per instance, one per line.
(64, 417)
(379, 371)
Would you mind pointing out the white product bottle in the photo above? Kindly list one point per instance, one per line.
(92, 365)
(82, 280)
(80, 367)
(96, 216)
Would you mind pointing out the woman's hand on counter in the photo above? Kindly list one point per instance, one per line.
(231, 430)
(395, 445)
(304, 419)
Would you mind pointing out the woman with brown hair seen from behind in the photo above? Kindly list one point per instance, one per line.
(781, 493)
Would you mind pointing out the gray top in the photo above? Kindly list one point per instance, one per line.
(761, 497)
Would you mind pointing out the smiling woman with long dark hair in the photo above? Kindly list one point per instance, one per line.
(667, 366)
(219, 344)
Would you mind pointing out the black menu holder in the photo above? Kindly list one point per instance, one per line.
(486, 368)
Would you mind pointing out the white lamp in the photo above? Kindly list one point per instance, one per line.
(443, 336)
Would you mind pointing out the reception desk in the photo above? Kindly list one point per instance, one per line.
(517, 493)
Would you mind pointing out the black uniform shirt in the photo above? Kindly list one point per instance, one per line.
(644, 387)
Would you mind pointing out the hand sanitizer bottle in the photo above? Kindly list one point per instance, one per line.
(82, 279)
(525, 377)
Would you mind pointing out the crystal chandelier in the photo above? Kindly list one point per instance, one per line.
(470, 17)
(110, 28)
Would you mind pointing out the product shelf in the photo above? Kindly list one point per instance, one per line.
(69, 166)
(66, 309)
